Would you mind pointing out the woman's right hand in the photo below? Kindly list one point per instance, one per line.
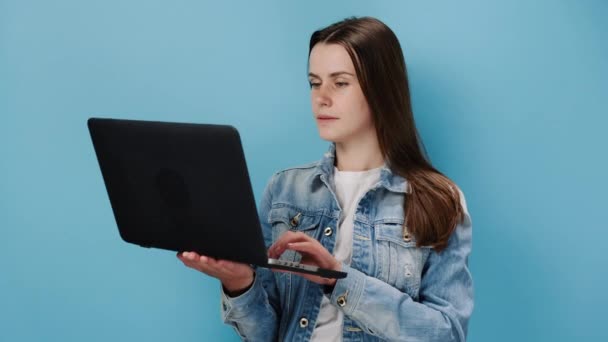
(235, 276)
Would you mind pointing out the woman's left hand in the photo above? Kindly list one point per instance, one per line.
(313, 253)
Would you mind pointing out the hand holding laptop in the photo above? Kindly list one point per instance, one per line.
(234, 276)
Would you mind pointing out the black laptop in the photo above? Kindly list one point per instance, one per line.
(184, 187)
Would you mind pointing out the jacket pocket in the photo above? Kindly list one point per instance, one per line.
(398, 261)
(285, 217)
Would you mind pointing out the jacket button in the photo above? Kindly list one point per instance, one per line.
(303, 322)
(328, 231)
(295, 221)
(407, 237)
(342, 301)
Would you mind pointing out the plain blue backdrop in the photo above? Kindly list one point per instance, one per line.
(509, 96)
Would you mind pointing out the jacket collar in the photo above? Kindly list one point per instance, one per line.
(388, 180)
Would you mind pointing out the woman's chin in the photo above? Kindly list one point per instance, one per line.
(329, 136)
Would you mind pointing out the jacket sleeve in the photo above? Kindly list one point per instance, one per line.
(255, 314)
(446, 296)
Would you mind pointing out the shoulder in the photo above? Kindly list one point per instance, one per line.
(294, 179)
(298, 172)
(300, 168)
(466, 216)
(463, 202)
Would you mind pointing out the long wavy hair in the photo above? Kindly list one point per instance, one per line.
(432, 207)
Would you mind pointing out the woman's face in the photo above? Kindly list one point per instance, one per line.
(338, 104)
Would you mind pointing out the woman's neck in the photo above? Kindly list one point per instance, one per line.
(359, 155)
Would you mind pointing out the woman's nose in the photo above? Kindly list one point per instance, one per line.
(322, 97)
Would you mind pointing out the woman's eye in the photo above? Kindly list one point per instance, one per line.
(341, 84)
(314, 85)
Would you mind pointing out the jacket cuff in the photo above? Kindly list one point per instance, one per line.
(237, 307)
(347, 291)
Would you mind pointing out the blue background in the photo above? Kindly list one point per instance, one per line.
(510, 98)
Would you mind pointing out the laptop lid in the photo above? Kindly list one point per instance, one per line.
(180, 187)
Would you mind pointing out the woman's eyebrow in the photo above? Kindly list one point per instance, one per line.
(333, 74)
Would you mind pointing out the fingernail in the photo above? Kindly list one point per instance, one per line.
(203, 259)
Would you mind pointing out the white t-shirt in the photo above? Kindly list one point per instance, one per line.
(350, 187)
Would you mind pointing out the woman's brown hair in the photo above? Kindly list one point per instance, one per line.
(432, 208)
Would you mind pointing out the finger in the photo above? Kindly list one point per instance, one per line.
(285, 238)
(205, 267)
(224, 267)
(277, 249)
(194, 256)
(306, 247)
(209, 263)
(196, 266)
(217, 268)
(319, 255)
(190, 256)
(206, 260)
(273, 250)
(229, 266)
(212, 264)
(185, 258)
(204, 264)
(198, 262)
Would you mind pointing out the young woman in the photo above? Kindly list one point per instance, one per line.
(373, 207)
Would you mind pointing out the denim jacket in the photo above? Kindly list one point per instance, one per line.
(394, 290)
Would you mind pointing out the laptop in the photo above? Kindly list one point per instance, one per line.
(184, 187)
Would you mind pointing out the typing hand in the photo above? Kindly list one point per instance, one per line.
(313, 253)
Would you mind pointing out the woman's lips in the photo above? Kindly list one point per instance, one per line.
(326, 118)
